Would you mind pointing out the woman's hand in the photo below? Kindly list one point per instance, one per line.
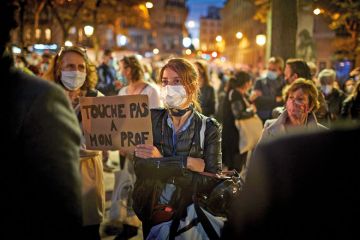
(195, 164)
(147, 151)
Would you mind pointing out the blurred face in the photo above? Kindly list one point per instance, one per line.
(297, 106)
(125, 70)
(289, 76)
(73, 62)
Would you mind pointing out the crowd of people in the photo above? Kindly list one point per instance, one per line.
(62, 191)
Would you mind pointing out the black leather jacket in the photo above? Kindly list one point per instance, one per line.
(152, 174)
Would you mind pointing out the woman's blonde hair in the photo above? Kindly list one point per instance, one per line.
(54, 70)
(189, 78)
(308, 87)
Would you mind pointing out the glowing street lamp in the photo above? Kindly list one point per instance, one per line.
(68, 43)
(149, 5)
(186, 42)
(260, 39)
(89, 30)
(156, 51)
(218, 38)
(191, 24)
(317, 11)
(239, 35)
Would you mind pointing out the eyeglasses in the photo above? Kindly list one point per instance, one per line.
(80, 50)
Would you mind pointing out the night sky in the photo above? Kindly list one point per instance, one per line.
(199, 8)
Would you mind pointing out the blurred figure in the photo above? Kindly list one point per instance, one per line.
(334, 97)
(351, 106)
(301, 101)
(207, 92)
(266, 93)
(299, 186)
(41, 179)
(296, 68)
(71, 69)
(313, 72)
(108, 83)
(349, 86)
(236, 106)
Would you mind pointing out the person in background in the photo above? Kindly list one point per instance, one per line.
(351, 105)
(301, 101)
(167, 171)
(334, 97)
(207, 92)
(235, 107)
(108, 83)
(266, 93)
(133, 72)
(72, 70)
(44, 201)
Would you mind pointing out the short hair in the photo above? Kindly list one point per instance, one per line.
(137, 70)
(239, 80)
(107, 52)
(300, 67)
(278, 61)
(189, 77)
(327, 76)
(313, 68)
(308, 87)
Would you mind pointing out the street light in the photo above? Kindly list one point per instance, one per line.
(239, 35)
(218, 38)
(68, 43)
(260, 39)
(156, 51)
(186, 42)
(191, 24)
(317, 11)
(149, 5)
(89, 30)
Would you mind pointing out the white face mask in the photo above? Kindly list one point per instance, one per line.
(326, 89)
(73, 80)
(173, 96)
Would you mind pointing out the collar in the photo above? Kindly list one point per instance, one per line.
(183, 127)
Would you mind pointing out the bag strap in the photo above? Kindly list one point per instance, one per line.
(202, 132)
(205, 223)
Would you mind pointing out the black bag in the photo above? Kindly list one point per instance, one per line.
(219, 198)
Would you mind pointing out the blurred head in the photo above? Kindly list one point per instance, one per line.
(301, 98)
(131, 69)
(275, 67)
(179, 75)
(203, 73)
(107, 56)
(296, 68)
(349, 86)
(241, 80)
(327, 78)
(72, 69)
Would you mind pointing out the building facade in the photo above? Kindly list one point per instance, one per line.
(210, 27)
(237, 16)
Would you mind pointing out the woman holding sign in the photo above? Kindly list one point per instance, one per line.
(72, 70)
(167, 170)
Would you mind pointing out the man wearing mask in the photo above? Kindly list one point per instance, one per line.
(334, 97)
(108, 83)
(267, 91)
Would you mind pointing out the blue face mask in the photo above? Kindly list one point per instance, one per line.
(272, 75)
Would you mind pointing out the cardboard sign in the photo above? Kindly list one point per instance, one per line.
(116, 122)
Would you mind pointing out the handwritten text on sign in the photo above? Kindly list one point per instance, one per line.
(117, 122)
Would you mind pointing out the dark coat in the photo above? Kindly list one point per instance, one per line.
(299, 187)
(207, 100)
(152, 174)
(41, 180)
